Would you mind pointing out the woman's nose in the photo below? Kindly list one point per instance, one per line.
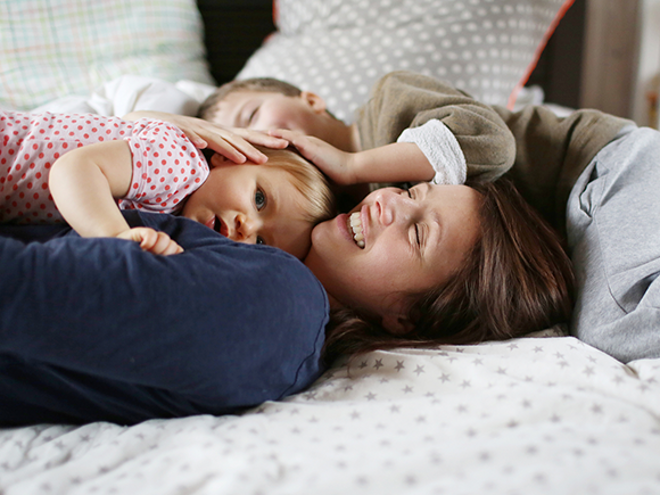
(391, 205)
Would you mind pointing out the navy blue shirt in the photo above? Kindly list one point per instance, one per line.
(97, 329)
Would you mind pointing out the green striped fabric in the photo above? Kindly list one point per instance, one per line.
(55, 48)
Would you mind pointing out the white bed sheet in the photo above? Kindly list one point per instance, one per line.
(528, 416)
(130, 93)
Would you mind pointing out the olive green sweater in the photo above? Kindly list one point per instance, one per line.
(542, 153)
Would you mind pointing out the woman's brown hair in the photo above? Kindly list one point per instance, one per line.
(516, 279)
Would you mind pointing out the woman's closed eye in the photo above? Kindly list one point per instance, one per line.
(417, 238)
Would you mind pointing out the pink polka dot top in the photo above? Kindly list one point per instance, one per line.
(167, 168)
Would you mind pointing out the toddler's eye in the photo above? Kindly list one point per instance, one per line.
(260, 240)
(259, 199)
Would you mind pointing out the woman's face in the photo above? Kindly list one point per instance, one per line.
(407, 241)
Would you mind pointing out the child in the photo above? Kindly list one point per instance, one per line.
(437, 131)
(75, 167)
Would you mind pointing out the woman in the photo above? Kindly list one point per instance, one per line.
(97, 329)
(440, 264)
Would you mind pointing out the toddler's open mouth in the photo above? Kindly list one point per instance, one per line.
(218, 225)
(221, 227)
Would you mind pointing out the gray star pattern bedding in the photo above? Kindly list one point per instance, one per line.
(529, 416)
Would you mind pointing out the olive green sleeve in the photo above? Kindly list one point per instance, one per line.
(402, 100)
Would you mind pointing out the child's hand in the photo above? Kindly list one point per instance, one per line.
(151, 240)
(338, 165)
(233, 143)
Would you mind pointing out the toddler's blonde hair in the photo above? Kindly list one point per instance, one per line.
(307, 179)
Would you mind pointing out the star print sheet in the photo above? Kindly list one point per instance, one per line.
(528, 416)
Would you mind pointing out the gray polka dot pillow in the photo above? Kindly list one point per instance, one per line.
(339, 48)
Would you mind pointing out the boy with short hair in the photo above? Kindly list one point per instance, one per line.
(454, 134)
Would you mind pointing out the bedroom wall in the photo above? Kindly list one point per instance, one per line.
(233, 30)
(622, 57)
(610, 47)
(647, 81)
(558, 70)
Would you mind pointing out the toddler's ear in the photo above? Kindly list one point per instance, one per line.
(217, 160)
(314, 101)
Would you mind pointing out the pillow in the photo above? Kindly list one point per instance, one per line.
(56, 48)
(339, 48)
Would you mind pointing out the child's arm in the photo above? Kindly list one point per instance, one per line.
(233, 143)
(396, 162)
(403, 102)
(84, 184)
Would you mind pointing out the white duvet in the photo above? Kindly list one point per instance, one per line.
(528, 416)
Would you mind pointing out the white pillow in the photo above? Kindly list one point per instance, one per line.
(339, 48)
(55, 48)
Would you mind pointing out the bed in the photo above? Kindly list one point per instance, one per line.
(535, 415)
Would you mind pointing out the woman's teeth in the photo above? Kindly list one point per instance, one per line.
(355, 225)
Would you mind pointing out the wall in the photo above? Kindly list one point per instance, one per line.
(621, 56)
(647, 77)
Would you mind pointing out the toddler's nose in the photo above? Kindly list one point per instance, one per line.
(245, 228)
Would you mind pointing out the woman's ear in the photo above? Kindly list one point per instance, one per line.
(314, 101)
(397, 324)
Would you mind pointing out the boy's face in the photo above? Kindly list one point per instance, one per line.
(255, 204)
(264, 111)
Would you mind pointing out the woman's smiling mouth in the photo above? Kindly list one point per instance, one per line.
(355, 227)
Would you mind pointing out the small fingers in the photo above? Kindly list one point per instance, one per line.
(162, 244)
(152, 241)
(228, 153)
(283, 134)
(307, 145)
(262, 138)
(295, 138)
(196, 140)
(237, 149)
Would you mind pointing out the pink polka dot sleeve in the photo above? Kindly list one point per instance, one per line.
(31, 143)
(167, 168)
